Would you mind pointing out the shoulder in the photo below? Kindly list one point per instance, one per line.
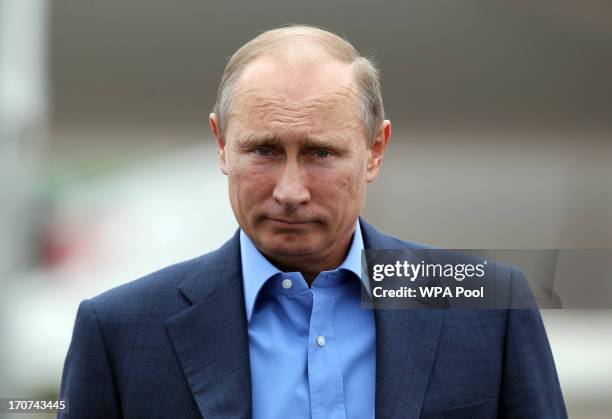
(383, 242)
(507, 281)
(158, 282)
(153, 294)
(157, 294)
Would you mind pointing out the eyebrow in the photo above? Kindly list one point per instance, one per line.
(250, 142)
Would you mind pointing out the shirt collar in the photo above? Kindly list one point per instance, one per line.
(256, 269)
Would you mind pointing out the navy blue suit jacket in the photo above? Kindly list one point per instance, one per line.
(174, 344)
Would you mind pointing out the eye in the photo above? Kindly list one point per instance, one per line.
(263, 151)
(322, 153)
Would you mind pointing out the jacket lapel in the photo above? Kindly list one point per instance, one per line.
(406, 346)
(210, 337)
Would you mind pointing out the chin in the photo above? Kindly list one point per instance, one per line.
(288, 249)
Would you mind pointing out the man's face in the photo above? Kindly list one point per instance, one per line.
(297, 159)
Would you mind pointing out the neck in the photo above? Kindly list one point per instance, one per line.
(311, 266)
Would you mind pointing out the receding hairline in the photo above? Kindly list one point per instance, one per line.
(302, 43)
(298, 64)
(296, 46)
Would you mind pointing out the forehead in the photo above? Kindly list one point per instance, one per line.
(311, 95)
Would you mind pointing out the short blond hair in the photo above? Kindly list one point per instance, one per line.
(366, 73)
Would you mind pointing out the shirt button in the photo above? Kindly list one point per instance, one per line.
(287, 284)
(320, 341)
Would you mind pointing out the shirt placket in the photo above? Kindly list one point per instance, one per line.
(324, 368)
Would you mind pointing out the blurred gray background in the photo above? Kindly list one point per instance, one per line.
(502, 139)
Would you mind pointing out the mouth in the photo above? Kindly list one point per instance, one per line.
(288, 223)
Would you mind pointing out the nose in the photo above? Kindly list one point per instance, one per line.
(291, 190)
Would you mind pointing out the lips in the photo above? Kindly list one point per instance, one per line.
(288, 222)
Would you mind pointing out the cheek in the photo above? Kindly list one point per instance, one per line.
(250, 185)
(341, 184)
(351, 175)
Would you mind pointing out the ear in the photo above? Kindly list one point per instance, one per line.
(214, 127)
(377, 150)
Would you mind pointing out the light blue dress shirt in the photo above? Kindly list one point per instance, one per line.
(312, 350)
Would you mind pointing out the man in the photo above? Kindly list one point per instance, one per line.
(271, 325)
